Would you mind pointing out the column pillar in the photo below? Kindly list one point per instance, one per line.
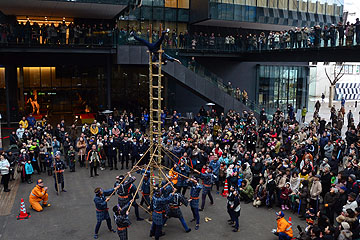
(108, 81)
(11, 86)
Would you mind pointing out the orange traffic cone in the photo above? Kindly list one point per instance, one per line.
(226, 189)
(23, 214)
(290, 221)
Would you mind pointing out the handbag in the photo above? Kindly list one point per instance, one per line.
(18, 169)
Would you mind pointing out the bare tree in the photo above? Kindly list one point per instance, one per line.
(333, 79)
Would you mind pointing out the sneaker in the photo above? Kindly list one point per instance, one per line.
(112, 230)
(286, 207)
(47, 205)
(200, 210)
(7, 190)
(282, 207)
(139, 219)
(197, 227)
(192, 220)
(63, 190)
(96, 236)
(189, 230)
(235, 230)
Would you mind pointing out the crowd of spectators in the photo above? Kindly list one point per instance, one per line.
(56, 34)
(250, 40)
(309, 169)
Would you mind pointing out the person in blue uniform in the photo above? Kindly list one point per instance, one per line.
(158, 203)
(132, 192)
(121, 217)
(183, 171)
(155, 47)
(209, 178)
(194, 200)
(102, 212)
(175, 211)
(145, 190)
(124, 189)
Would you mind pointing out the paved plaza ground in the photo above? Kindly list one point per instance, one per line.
(72, 215)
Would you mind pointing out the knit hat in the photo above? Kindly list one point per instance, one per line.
(353, 177)
(345, 225)
(352, 195)
(280, 214)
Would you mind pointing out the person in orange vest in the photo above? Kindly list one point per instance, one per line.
(284, 228)
(173, 175)
(38, 194)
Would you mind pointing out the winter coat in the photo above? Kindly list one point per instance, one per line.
(315, 190)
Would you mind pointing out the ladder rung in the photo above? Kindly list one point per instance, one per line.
(155, 121)
(157, 86)
(157, 75)
(157, 98)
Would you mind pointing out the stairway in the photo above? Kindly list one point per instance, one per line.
(193, 76)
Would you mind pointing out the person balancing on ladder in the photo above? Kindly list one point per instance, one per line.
(155, 47)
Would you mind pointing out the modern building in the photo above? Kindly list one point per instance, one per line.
(74, 56)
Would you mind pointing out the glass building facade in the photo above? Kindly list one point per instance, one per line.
(284, 12)
(279, 86)
(172, 14)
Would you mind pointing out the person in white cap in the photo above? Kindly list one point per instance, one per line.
(345, 232)
(59, 167)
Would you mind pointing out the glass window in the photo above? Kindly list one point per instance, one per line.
(303, 5)
(159, 3)
(293, 5)
(31, 77)
(329, 7)
(251, 2)
(312, 6)
(171, 3)
(273, 3)
(45, 77)
(283, 4)
(240, 2)
(262, 3)
(183, 4)
(321, 7)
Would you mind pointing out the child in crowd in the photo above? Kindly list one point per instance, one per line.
(28, 171)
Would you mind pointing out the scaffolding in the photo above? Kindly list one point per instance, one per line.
(155, 108)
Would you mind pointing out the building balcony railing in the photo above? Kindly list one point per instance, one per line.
(115, 2)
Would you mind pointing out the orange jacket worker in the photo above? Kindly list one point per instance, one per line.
(38, 194)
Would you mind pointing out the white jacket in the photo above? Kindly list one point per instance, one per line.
(4, 166)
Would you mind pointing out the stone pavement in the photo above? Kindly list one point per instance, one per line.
(72, 215)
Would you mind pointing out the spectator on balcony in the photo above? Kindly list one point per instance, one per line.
(332, 35)
(357, 31)
(349, 33)
(212, 41)
(340, 29)
(181, 40)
